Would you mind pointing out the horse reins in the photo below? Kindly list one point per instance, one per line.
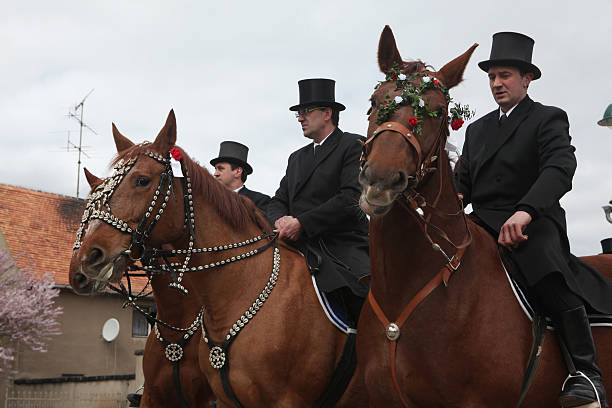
(415, 204)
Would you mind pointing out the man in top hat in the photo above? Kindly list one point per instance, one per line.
(315, 206)
(517, 162)
(232, 169)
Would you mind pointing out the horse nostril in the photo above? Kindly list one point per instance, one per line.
(80, 280)
(96, 256)
(399, 181)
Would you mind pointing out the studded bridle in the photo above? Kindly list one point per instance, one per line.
(98, 207)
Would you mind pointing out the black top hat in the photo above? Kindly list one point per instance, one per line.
(317, 92)
(233, 152)
(511, 49)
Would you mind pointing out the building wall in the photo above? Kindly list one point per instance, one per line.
(80, 349)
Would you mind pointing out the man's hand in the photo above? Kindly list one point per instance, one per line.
(288, 228)
(511, 233)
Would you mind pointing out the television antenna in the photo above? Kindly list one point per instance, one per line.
(77, 114)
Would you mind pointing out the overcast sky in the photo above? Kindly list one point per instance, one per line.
(230, 71)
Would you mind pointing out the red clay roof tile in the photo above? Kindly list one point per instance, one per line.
(40, 229)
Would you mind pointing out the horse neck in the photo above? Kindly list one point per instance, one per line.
(402, 258)
(173, 307)
(226, 291)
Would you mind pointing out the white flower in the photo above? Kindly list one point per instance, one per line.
(399, 99)
(421, 103)
(401, 77)
(426, 79)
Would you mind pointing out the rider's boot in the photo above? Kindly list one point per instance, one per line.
(585, 385)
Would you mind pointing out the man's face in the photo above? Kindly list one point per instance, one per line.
(225, 175)
(508, 86)
(313, 120)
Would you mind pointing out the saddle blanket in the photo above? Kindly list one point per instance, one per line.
(594, 319)
(333, 311)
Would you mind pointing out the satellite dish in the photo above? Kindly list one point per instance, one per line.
(110, 330)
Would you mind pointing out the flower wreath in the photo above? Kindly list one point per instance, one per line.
(412, 96)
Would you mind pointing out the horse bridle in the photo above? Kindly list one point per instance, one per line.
(416, 204)
(98, 207)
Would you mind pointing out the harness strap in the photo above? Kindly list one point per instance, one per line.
(177, 383)
(224, 370)
(441, 277)
(539, 331)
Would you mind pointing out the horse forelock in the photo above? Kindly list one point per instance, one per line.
(233, 208)
(414, 67)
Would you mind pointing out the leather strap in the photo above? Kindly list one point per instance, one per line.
(177, 383)
(441, 277)
(402, 130)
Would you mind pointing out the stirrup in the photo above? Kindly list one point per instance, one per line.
(581, 374)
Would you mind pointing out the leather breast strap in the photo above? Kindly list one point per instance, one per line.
(441, 277)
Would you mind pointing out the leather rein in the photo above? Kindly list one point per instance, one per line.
(417, 206)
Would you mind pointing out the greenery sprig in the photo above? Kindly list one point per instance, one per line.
(413, 87)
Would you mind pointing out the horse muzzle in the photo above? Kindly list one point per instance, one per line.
(97, 270)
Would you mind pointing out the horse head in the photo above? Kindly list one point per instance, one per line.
(408, 124)
(122, 210)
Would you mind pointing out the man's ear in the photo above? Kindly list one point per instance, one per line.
(239, 171)
(328, 113)
(527, 78)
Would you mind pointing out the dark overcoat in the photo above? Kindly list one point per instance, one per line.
(259, 199)
(322, 192)
(528, 164)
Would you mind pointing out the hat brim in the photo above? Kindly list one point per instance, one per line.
(247, 168)
(605, 122)
(334, 105)
(485, 65)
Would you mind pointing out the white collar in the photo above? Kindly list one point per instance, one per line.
(322, 141)
(239, 188)
(507, 113)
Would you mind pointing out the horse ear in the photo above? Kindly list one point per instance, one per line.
(91, 179)
(388, 55)
(122, 142)
(452, 73)
(167, 136)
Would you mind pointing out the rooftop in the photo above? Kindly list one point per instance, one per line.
(40, 229)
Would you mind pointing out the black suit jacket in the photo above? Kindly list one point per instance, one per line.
(528, 164)
(323, 194)
(259, 199)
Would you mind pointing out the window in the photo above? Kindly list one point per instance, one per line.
(140, 324)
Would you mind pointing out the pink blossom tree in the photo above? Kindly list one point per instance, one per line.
(28, 314)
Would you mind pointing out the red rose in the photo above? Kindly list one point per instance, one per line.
(436, 82)
(394, 76)
(384, 106)
(176, 154)
(456, 124)
(413, 121)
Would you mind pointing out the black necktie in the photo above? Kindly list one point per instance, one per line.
(316, 148)
(502, 119)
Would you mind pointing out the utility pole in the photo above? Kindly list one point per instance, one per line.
(78, 116)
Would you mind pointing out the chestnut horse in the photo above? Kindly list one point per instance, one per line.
(422, 343)
(283, 349)
(161, 388)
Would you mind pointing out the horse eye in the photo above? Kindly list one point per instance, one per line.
(142, 181)
(373, 103)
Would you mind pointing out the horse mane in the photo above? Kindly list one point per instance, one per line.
(235, 209)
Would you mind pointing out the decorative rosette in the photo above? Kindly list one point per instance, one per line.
(176, 153)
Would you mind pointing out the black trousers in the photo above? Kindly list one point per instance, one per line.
(554, 296)
(350, 302)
